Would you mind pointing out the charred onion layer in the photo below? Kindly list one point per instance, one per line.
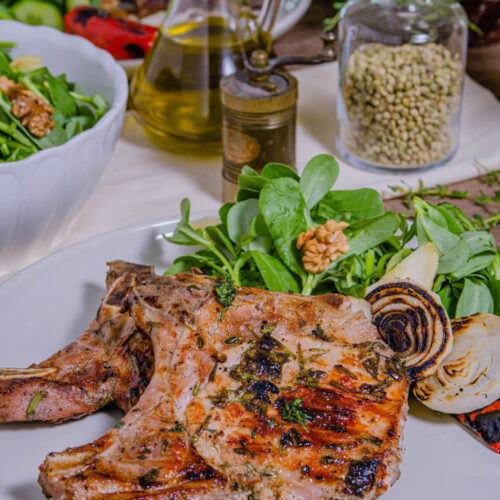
(469, 376)
(413, 322)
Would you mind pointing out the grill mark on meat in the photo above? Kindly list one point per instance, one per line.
(361, 477)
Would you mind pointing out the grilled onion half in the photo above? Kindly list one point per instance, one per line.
(469, 376)
(414, 323)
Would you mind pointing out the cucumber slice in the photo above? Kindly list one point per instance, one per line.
(37, 12)
(5, 12)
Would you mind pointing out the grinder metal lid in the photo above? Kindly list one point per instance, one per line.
(249, 92)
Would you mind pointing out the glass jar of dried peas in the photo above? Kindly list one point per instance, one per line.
(401, 82)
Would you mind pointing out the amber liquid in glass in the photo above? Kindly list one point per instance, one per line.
(175, 93)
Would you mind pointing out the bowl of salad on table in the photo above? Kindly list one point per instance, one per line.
(62, 105)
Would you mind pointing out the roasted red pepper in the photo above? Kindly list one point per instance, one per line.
(122, 38)
(485, 423)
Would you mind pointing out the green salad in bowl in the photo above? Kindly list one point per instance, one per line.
(39, 110)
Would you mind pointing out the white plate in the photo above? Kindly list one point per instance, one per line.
(291, 11)
(50, 303)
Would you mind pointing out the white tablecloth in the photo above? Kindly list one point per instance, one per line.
(143, 182)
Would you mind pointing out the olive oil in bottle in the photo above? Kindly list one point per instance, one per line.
(175, 93)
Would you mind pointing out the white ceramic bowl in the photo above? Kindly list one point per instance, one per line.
(40, 194)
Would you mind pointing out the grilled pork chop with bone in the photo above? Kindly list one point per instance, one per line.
(277, 396)
(111, 361)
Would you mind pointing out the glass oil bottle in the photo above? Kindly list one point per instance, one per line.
(175, 93)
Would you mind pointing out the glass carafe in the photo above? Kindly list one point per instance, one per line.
(175, 93)
(402, 66)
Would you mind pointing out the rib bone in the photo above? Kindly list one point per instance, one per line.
(111, 361)
(19, 373)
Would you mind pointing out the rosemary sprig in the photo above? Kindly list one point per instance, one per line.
(439, 191)
(292, 411)
(486, 223)
(492, 178)
(225, 293)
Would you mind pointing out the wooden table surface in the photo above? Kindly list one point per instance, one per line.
(484, 65)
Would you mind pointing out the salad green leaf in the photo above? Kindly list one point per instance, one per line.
(284, 210)
(73, 112)
(255, 242)
(318, 177)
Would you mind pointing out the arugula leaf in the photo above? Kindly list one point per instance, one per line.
(184, 233)
(398, 257)
(458, 214)
(480, 242)
(252, 182)
(494, 286)
(245, 194)
(262, 240)
(370, 233)
(454, 257)
(448, 300)
(276, 276)
(475, 298)
(240, 217)
(284, 209)
(255, 243)
(76, 124)
(224, 210)
(60, 97)
(277, 170)
(483, 251)
(450, 220)
(4, 64)
(351, 205)
(55, 137)
(454, 251)
(320, 174)
(218, 235)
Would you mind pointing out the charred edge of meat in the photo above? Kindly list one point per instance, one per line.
(361, 477)
(119, 289)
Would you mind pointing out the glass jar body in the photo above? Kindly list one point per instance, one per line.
(400, 82)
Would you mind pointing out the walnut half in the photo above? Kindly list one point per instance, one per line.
(34, 112)
(322, 245)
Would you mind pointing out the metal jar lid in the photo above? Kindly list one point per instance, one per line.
(267, 93)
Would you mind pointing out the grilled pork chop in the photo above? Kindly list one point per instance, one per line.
(111, 361)
(279, 396)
